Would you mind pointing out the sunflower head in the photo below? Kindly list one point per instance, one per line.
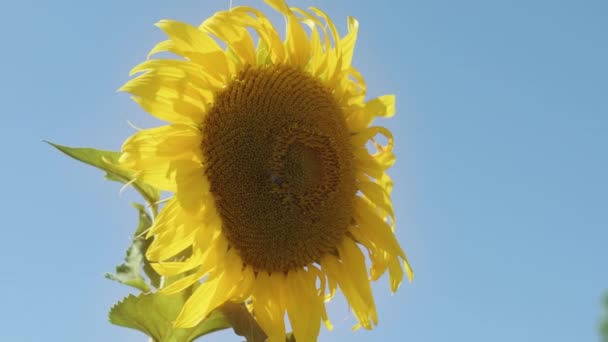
(278, 177)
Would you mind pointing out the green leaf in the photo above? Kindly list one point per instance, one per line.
(154, 313)
(108, 161)
(129, 273)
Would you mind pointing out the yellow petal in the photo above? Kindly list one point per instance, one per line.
(332, 286)
(314, 273)
(408, 270)
(197, 306)
(192, 186)
(172, 268)
(296, 41)
(174, 231)
(212, 293)
(167, 245)
(182, 94)
(269, 37)
(216, 252)
(385, 252)
(166, 219)
(355, 90)
(303, 306)
(174, 111)
(153, 152)
(395, 273)
(382, 106)
(374, 228)
(318, 63)
(182, 283)
(236, 37)
(245, 288)
(386, 183)
(354, 261)
(206, 259)
(188, 37)
(379, 260)
(348, 42)
(172, 69)
(334, 56)
(382, 159)
(361, 138)
(351, 276)
(267, 305)
(377, 195)
(170, 142)
(164, 46)
(192, 43)
(367, 164)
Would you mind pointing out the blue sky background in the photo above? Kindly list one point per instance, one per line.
(501, 180)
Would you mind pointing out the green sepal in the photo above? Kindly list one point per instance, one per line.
(108, 161)
(129, 273)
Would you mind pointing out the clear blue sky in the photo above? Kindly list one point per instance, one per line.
(501, 181)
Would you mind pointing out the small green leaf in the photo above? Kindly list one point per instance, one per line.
(107, 161)
(129, 273)
(145, 222)
(154, 313)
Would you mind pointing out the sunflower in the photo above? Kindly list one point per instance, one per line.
(279, 180)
